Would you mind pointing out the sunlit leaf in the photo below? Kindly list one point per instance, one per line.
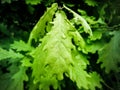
(39, 29)
(80, 19)
(95, 81)
(57, 55)
(52, 54)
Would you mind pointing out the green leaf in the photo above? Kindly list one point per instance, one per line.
(109, 55)
(82, 12)
(94, 46)
(77, 72)
(5, 80)
(57, 55)
(21, 46)
(3, 29)
(39, 29)
(91, 2)
(96, 35)
(26, 62)
(33, 2)
(18, 80)
(53, 53)
(95, 81)
(4, 54)
(80, 19)
(80, 76)
(13, 80)
(78, 40)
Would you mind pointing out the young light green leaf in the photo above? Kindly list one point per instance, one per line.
(80, 76)
(81, 20)
(95, 81)
(57, 55)
(53, 56)
(39, 29)
(94, 46)
(78, 41)
(26, 62)
(109, 55)
(96, 35)
(77, 72)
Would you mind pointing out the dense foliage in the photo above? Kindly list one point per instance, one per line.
(59, 45)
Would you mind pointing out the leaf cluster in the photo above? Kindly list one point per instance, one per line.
(75, 48)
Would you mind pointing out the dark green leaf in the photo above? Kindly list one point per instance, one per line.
(109, 55)
(5, 1)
